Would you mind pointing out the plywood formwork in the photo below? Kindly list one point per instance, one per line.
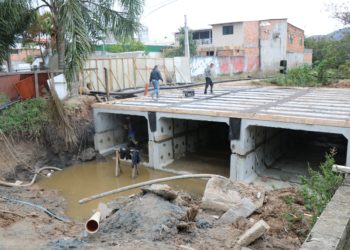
(124, 73)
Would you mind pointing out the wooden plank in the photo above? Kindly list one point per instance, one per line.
(123, 73)
(115, 78)
(36, 84)
(110, 75)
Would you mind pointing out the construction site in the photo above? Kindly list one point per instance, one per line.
(234, 136)
(247, 137)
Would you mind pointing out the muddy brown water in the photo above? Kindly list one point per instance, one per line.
(85, 179)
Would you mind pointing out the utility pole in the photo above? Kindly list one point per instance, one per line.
(187, 45)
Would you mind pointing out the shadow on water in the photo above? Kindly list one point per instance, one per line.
(95, 177)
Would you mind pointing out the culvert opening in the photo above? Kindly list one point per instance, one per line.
(134, 131)
(198, 146)
(117, 131)
(286, 154)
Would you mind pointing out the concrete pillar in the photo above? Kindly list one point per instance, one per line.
(348, 151)
(172, 139)
(108, 132)
(161, 143)
(257, 148)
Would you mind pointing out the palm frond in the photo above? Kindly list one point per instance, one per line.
(15, 17)
(77, 38)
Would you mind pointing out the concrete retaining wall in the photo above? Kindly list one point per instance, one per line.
(331, 231)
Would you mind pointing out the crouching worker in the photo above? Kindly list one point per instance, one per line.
(135, 160)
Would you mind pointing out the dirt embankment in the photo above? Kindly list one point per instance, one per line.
(18, 154)
(148, 221)
(24, 226)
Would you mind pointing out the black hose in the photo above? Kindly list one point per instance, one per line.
(36, 206)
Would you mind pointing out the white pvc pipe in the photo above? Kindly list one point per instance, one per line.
(137, 185)
(93, 224)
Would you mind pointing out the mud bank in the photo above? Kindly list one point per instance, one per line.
(148, 221)
(20, 154)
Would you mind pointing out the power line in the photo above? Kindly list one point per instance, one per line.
(166, 3)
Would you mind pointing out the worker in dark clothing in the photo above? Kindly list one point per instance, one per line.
(132, 150)
(154, 80)
(135, 160)
(208, 75)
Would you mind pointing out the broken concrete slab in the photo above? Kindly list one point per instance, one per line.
(162, 190)
(253, 233)
(245, 208)
(222, 194)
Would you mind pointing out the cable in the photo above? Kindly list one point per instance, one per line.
(161, 6)
(36, 206)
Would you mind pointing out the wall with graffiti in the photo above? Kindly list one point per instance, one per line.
(223, 65)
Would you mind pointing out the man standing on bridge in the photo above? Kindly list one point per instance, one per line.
(154, 80)
(208, 80)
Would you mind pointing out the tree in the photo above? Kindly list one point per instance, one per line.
(15, 17)
(38, 31)
(76, 23)
(180, 50)
(329, 54)
(341, 12)
(125, 47)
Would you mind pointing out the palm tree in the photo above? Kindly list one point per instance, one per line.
(76, 23)
(38, 32)
(15, 17)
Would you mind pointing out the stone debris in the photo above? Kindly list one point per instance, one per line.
(87, 154)
(222, 194)
(162, 190)
(191, 214)
(253, 233)
(245, 208)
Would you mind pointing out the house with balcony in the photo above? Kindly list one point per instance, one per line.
(249, 46)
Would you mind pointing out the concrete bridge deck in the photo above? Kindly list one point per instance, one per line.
(318, 106)
(259, 118)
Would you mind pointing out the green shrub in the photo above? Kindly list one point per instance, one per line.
(318, 189)
(298, 76)
(30, 59)
(125, 47)
(306, 76)
(115, 48)
(25, 118)
(3, 98)
(345, 69)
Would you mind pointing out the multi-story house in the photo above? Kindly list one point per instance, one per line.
(254, 45)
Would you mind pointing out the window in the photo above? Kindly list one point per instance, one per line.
(227, 30)
(301, 41)
(291, 39)
(210, 53)
(204, 35)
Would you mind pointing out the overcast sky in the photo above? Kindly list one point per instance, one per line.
(164, 17)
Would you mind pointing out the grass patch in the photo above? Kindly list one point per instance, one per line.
(306, 76)
(3, 98)
(26, 118)
(319, 188)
